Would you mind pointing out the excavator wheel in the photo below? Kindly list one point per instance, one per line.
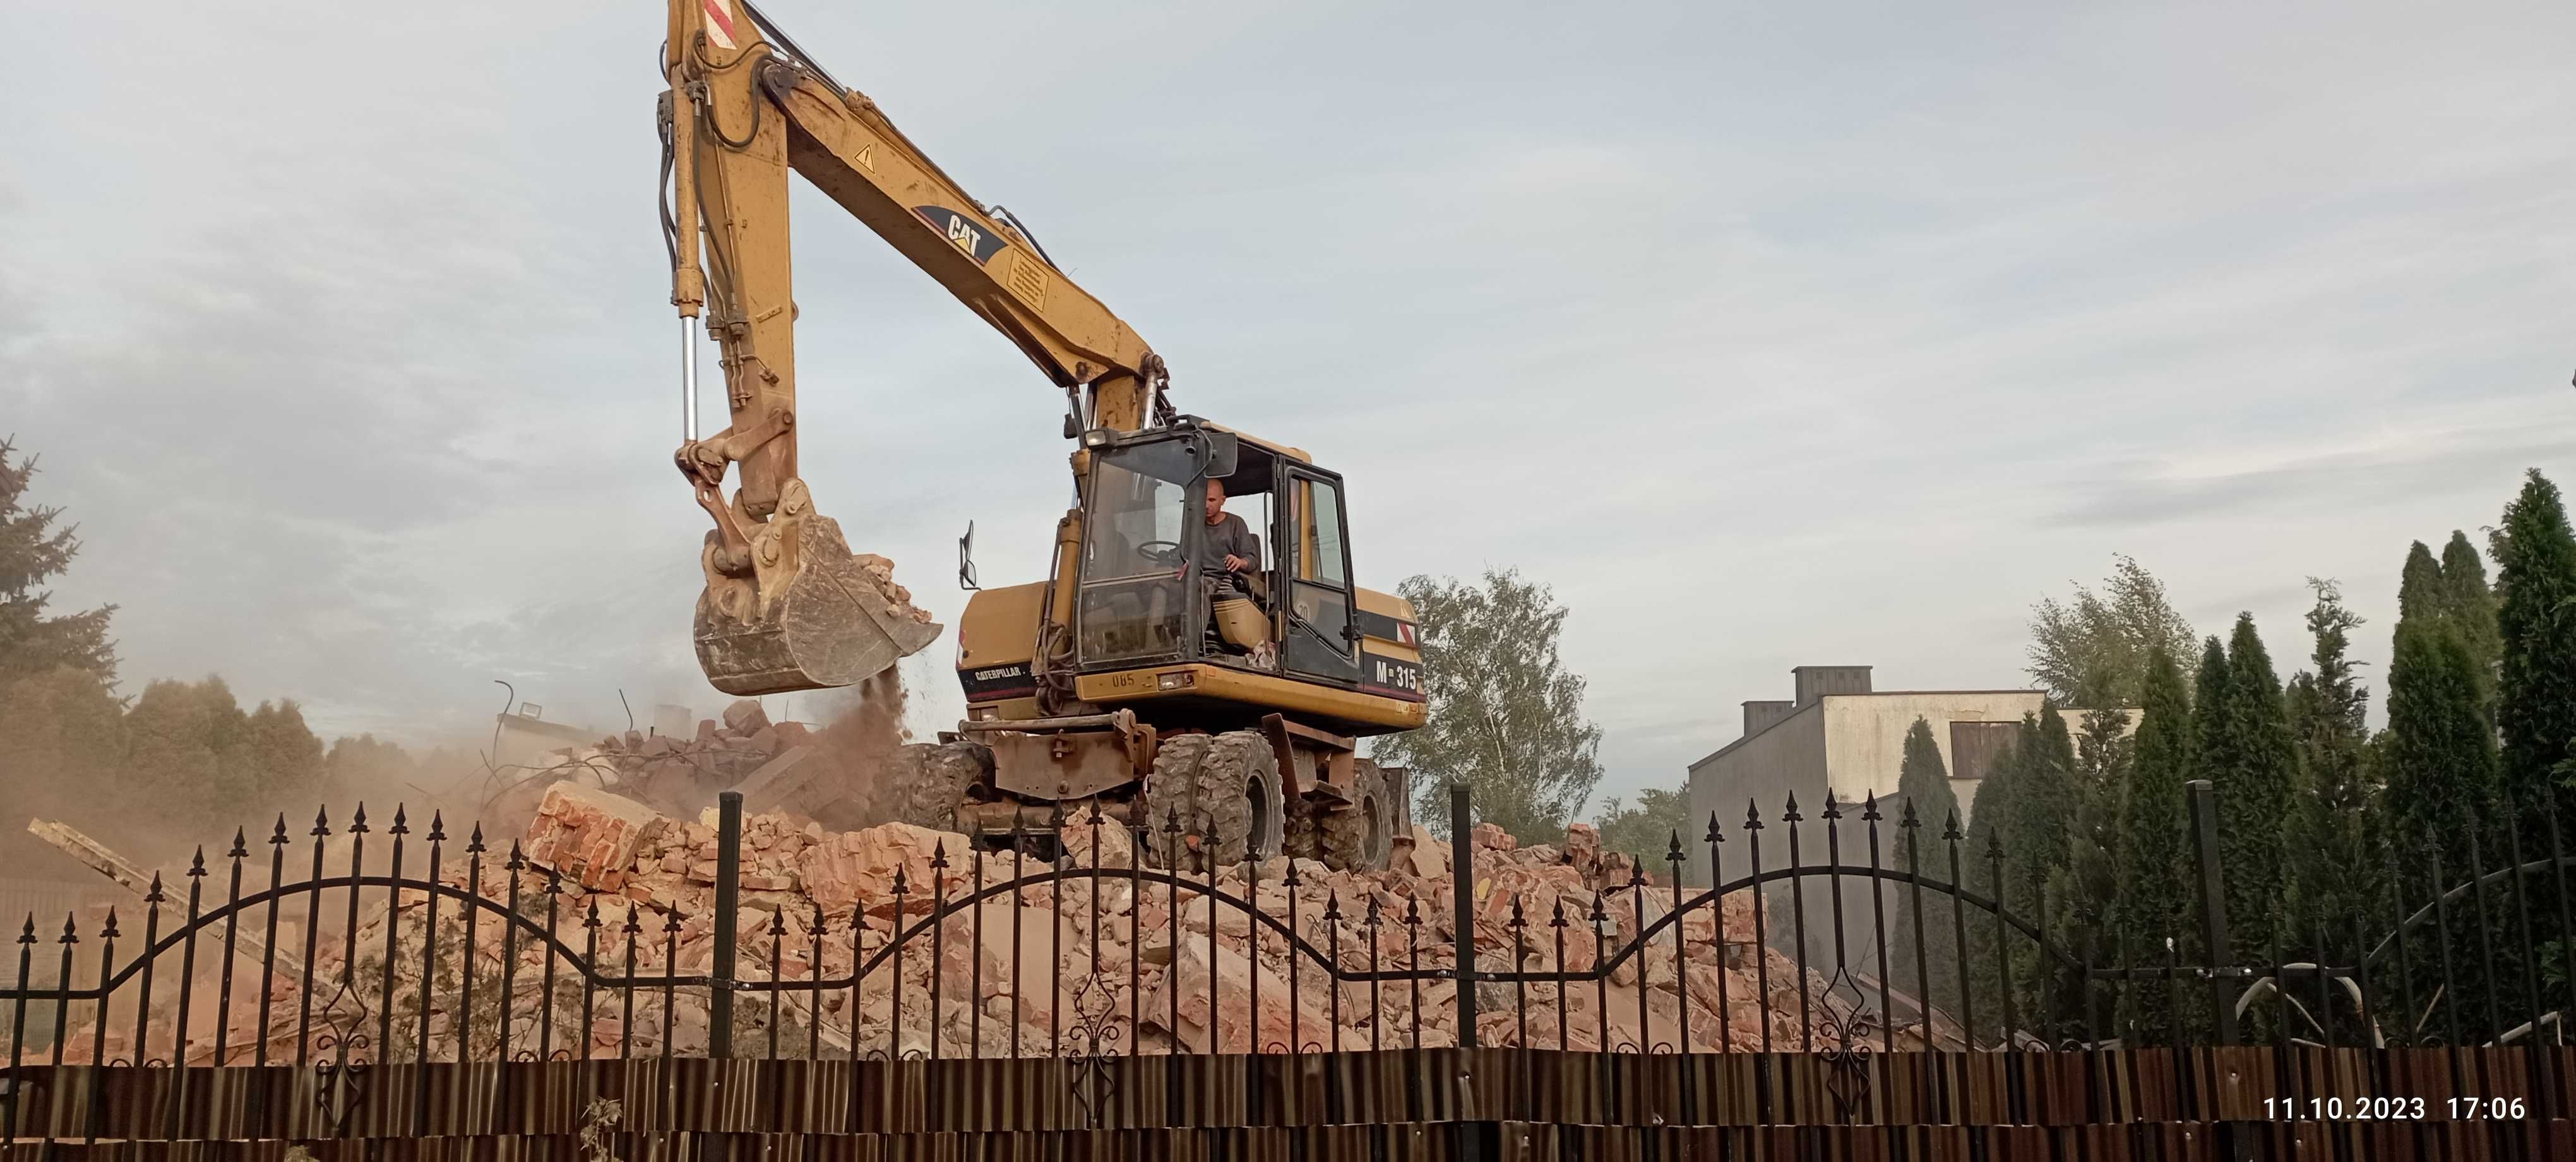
(1171, 798)
(1224, 789)
(927, 781)
(1361, 836)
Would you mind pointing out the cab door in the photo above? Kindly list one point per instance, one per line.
(1320, 636)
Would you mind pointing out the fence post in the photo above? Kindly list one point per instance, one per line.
(2213, 905)
(1462, 883)
(728, 913)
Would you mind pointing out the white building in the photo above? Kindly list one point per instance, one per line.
(1840, 734)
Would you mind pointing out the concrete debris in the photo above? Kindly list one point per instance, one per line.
(1129, 963)
(668, 774)
(127, 874)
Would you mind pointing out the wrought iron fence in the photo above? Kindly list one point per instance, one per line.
(473, 955)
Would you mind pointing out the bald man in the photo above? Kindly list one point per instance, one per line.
(1228, 549)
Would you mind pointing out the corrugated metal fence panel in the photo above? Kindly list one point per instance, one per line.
(2064, 1091)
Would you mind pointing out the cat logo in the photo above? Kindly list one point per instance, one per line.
(962, 232)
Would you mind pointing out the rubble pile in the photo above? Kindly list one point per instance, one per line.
(636, 887)
(671, 774)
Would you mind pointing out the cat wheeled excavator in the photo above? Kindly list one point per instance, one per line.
(1137, 678)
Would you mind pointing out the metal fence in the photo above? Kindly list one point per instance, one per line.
(356, 978)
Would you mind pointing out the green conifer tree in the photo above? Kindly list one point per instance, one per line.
(2535, 697)
(2330, 840)
(2471, 607)
(2536, 688)
(2439, 758)
(35, 547)
(2083, 893)
(2038, 838)
(2420, 592)
(2155, 902)
(2247, 753)
(1926, 947)
(1981, 857)
(2023, 811)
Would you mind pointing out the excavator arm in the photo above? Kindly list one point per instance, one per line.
(787, 606)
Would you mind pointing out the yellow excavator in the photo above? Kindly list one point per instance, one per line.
(1179, 665)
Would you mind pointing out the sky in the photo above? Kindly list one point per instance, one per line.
(1766, 335)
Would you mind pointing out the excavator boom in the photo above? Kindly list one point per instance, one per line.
(787, 606)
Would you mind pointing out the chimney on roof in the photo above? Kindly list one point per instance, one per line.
(1760, 715)
(1815, 682)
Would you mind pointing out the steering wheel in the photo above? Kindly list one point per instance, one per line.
(1160, 552)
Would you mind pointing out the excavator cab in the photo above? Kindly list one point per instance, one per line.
(1142, 598)
(1138, 600)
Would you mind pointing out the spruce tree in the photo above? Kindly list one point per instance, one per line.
(2247, 753)
(36, 547)
(2155, 901)
(2330, 838)
(2536, 690)
(1923, 788)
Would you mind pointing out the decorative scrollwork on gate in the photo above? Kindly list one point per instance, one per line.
(1847, 1060)
(1095, 1041)
(343, 1056)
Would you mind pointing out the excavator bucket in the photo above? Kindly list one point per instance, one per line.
(822, 616)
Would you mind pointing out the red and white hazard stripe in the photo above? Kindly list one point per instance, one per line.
(719, 21)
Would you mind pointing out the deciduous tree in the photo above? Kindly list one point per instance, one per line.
(1647, 829)
(2091, 649)
(1506, 716)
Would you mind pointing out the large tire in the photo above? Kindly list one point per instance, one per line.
(926, 781)
(1171, 798)
(1224, 790)
(1361, 836)
(1247, 804)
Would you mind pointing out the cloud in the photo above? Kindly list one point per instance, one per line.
(2356, 480)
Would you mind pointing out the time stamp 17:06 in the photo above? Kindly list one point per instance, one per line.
(2394, 1109)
